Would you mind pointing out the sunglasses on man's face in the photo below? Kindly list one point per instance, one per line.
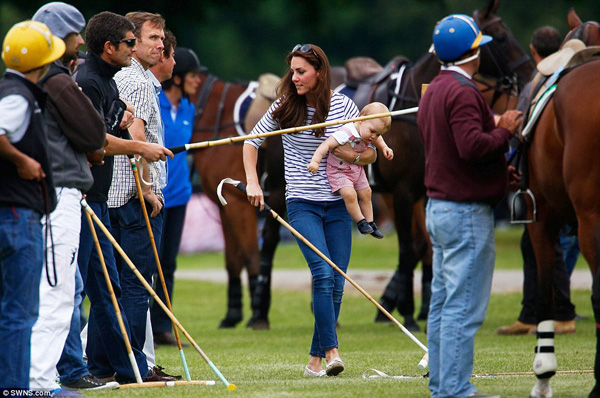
(130, 42)
(304, 49)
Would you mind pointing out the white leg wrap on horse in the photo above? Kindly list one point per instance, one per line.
(544, 363)
(542, 389)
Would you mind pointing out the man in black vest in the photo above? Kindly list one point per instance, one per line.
(27, 191)
(74, 127)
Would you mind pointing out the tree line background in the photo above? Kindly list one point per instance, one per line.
(241, 39)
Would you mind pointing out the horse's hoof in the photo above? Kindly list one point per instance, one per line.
(232, 318)
(541, 389)
(381, 317)
(228, 323)
(258, 323)
(411, 325)
(595, 393)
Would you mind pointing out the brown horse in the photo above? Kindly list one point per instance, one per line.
(504, 69)
(564, 175)
(215, 102)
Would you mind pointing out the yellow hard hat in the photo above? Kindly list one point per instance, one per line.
(29, 45)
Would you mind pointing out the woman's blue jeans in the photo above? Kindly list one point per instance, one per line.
(328, 226)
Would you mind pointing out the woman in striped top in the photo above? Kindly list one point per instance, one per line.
(305, 97)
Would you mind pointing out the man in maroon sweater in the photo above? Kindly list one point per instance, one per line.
(465, 175)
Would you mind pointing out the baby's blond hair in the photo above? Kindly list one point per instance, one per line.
(375, 108)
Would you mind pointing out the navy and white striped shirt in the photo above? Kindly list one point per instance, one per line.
(298, 149)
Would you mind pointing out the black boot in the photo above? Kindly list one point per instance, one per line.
(410, 324)
(261, 301)
(376, 232)
(364, 227)
(234, 304)
(389, 299)
(425, 298)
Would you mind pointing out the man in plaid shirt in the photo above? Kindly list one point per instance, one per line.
(127, 218)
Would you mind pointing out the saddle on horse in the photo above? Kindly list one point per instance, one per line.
(371, 81)
(549, 71)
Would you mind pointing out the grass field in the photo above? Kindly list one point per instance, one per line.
(270, 363)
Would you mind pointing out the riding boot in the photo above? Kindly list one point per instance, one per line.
(389, 298)
(234, 304)
(425, 298)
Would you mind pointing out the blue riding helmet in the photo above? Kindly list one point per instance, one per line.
(455, 35)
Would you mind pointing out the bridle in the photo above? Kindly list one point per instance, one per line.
(507, 82)
(205, 92)
(580, 32)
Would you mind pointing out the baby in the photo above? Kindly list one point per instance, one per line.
(350, 178)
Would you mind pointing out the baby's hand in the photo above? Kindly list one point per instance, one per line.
(388, 153)
(313, 167)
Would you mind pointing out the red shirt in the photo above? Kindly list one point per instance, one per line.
(464, 150)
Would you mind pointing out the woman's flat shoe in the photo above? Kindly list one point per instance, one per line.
(311, 373)
(335, 367)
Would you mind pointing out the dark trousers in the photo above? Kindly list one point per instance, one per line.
(171, 239)
(129, 229)
(106, 350)
(564, 309)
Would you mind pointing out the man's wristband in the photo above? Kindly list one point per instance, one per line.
(357, 159)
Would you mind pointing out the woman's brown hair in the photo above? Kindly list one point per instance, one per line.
(292, 110)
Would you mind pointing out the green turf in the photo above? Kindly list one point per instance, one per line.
(270, 363)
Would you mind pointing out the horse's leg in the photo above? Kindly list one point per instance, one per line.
(389, 299)
(423, 248)
(234, 313)
(241, 251)
(261, 300)
(401, 284)
(595, 393)
(543, 237)
(589, 242)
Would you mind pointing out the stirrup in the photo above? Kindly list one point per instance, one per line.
(517, 217)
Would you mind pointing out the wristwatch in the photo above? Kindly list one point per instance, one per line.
(357, 159)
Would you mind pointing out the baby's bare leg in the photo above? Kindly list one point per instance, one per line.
(351, 201)
(364, 202)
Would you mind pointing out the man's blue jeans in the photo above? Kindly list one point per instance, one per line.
(21, 261)
(462, 235)
(328, 226)
(105, 349)
(129, 228)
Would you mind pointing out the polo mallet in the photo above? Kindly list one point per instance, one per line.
(157, 384)
(424, 362)
(231, 140)
(158, 266)
(113, 298)
(137, 273)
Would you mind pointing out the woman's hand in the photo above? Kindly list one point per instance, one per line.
(345, 152)
(255, 195)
